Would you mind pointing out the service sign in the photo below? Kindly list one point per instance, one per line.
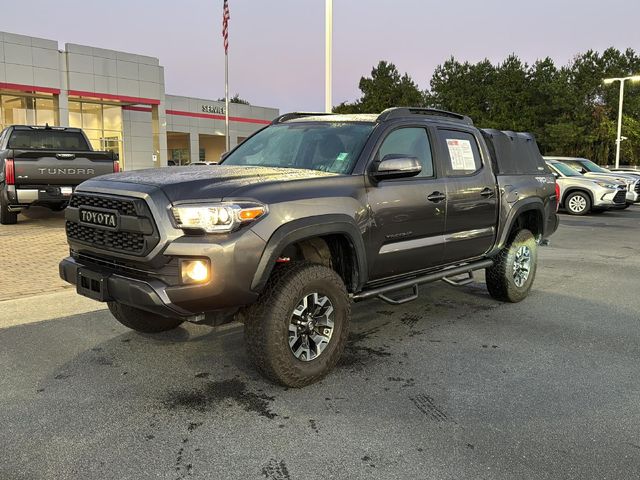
(213, 109)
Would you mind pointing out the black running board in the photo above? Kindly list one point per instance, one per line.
(448, 273)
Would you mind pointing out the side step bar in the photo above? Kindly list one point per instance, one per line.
(447, 274)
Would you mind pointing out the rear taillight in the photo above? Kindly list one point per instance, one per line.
(9, 172)
(557, 196)
(116, 166)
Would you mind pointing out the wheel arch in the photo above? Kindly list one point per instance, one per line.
(339, 233)
(530, 214)
(573, 190)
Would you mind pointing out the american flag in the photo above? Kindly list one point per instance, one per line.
(225, 26)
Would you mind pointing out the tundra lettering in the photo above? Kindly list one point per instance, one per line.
(67, 171)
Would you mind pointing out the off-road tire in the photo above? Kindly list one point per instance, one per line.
(584, 199)
(267, 322)
(7, 217)
(142, 321)
(500, 277)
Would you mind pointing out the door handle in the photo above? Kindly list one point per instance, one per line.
(436, 197)
(487, 192)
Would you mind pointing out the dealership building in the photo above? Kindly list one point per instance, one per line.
(119, 100)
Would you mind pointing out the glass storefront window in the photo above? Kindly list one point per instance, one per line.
(92, 116)
(46, 111)
(16, 109)
(112, 117)
(101, 122)
(75, 114)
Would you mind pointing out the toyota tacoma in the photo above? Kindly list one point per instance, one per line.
(308, 215)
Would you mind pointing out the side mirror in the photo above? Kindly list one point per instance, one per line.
(223, 156)
(555, 174)
(397, 166)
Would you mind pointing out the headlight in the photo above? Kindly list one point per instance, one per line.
(219, 217)
(607, 185)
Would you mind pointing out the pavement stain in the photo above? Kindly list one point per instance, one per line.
(215, 394)
(276, 470)
(356, 355)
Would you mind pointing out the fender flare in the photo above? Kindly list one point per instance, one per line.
(526, 205)
(309, 227)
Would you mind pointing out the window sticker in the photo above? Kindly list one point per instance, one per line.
(461, 154)
(342, 157)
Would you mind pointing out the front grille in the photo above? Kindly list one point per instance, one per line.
(123, 241)
(124, 207)
(137, 234)
(620, 197)
(637, 186)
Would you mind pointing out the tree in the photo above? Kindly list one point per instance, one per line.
(569, 109)
(385, 88)
(235, 99)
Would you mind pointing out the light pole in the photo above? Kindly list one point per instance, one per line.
(328, 53)
(608, 81)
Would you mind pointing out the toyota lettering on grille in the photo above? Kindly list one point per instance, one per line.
(102, 219)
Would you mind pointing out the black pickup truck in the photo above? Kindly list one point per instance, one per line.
(43, 165)
(307, 215)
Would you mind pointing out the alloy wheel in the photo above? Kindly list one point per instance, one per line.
(311, 327)
(577, 204)
(522, 266)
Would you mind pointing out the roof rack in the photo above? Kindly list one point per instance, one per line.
(399, 112)
(290, 116)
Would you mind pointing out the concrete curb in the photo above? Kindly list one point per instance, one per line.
(48, 306)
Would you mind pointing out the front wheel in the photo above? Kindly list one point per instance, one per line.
(578, 203)
(297, 330)
(142, 321)
(514, 269)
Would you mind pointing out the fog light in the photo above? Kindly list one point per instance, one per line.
(194, 271)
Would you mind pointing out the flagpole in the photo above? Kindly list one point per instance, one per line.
(328, 54)
(226, 100)
(225, 37)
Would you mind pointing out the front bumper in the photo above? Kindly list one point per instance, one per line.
(233, 259)
(609, 197)
(633, 197)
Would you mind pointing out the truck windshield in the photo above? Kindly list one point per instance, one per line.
(565, 170)
(48, 140)
(325, 146)
(592, 167)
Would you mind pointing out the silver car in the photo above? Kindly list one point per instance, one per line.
(592, 170)
(580, 195)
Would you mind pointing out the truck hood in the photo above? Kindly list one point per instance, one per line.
(588, 181)
(613, 176)
(211, 182)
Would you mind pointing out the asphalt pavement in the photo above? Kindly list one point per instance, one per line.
(452, 386)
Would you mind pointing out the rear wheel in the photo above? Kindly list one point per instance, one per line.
(514, 269)
(7, 217)
(142, 321)
(577, 203)
(297, 330)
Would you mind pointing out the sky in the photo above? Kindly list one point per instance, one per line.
(276, 53)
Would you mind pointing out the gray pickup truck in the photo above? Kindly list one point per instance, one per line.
(43, 165)
(307, 215)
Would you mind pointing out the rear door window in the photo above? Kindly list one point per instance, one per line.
(461, 152)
